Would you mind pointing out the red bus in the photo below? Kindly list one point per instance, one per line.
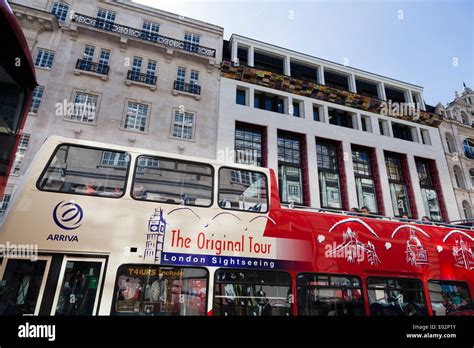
(17, 82)
(103, 229)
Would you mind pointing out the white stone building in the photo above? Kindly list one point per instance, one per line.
(457, 134)
(323, 129)
(122, 73)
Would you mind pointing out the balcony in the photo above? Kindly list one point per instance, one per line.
(134, 33)
(321, 92)
(187, 88)
(91, 68)
(141, 79)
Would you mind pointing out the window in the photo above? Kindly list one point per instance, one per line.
(395, 95)
(366, 123)
(317, 113)
(4, 204)
(398, 188)
(383, 128)
(173, 181)
(425, 136)
(20, 153)
(329, 295)
(296, 109)
(248, 145)
(464, 118)
(396, 297)
(44, 58)
(365, 185)
(136, 118)
(241, 97)
(303, 72)
(366, 88)
(459, 178)
(150, 31)
(268, 63)
(191, 41)
(289, 169)
(194, 78)
(340, 118)
(183, 123)
(242, 55)
(448, 296)
(243, 190)
(428, 191)
(450, 143)
(467, 210)
(76, 170)
(252, 293)
(103, 66)
(468, 145)
(333, 79)
(269, 102)
(105, 19)
(85, 106)
(114, 159)
(160, 290)
(60, 10)
(151, 68)
(402, 131)
(136, 68)
(329, 181)
(88, 54)
(36, 100)
(471, 174)
(20, 286)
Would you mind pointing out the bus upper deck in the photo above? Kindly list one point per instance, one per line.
(122, 230)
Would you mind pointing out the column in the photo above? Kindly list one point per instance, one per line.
(349, 171)
(321, 75)
(385, 192)
(233, 55)
(272, 149)
(286, 66)
(313, 176)
(352, 83)
(381, 90)
(250, 54)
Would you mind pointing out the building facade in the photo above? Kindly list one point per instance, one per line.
(457, 134)
(336, 136)
(122, 73)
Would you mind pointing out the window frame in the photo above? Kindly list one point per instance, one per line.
(323, 170)
(251, 171)
(69, 117)
(177, 112)
(113, 312)
(159, 158)
(361, 288)
(43, 172)
(448, 281)
(126, 115)
(40, 53)
(60, 5)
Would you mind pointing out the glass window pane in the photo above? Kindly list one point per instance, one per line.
(330, 190)
(243, 190)
(78, 170)
(449, 296)
(400, 201)
(366, 194)
(173, 181)
(252, 293)
(159, 290)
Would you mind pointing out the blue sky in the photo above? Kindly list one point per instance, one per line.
(427, 43)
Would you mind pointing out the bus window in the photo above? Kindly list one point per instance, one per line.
(173, 181)
(252, 293)
(86, 171)
(396, 296)
(449, 297)
(160, 290)
(242, 190)
(329, 295)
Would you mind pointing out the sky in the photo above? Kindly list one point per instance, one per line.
(429, 43)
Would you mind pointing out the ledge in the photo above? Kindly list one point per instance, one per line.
(141, 84)
(176, 92)
(78, 72)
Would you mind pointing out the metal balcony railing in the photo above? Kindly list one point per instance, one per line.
(98, 68)
(141, 77)
(187, 87)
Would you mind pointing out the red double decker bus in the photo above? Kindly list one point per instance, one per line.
(17, 82)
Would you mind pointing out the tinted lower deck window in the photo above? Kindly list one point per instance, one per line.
(252, 293)
(160, 290)
(396, 297)
(329, 295)
(448, 296)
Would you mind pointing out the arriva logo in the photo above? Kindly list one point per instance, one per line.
(68, 215)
